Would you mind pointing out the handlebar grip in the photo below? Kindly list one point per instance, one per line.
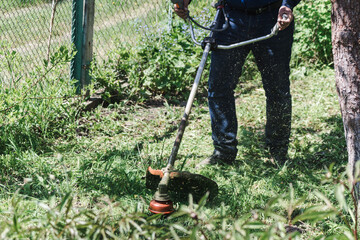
(178, 3)
(276, 28)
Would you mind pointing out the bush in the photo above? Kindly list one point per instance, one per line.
(160, 64)
(313, 32)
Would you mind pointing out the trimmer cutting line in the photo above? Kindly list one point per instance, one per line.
(168, 179)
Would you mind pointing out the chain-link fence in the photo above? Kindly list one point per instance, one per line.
(119, 21)
(32, 29)
(25, 34)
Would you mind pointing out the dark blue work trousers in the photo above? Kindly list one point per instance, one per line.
(272, 58)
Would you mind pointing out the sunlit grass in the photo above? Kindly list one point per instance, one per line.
(106, 157)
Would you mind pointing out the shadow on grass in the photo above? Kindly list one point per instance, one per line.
(16, 140)
(115, 173)
(252, 182)
(330, 149)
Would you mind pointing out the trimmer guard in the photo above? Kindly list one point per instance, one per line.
(183, 183)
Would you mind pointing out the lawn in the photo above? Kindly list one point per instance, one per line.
(67, 173)
(95, 173)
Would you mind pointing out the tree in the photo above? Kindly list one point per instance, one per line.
(345, 19)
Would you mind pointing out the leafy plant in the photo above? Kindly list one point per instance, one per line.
(284, 217)
(35, 108)
(313, 32)
(162, 64)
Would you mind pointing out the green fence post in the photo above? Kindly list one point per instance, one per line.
(77, 40)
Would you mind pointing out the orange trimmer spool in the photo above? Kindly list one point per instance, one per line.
(161, 207)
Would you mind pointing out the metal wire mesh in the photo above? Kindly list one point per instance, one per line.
(31, 30)
(25, 33)
(125, 21)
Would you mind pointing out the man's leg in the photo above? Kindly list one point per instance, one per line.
(273, 57)
(225, 70)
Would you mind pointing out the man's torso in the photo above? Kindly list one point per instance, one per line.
(249, 4)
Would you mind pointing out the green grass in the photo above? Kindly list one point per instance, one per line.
(101, 160)
(68, 174)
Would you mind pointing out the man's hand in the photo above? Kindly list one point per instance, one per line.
(285, 22)
(183, 13)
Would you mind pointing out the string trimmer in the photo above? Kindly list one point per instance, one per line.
(185, 182)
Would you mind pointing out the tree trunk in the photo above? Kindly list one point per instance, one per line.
(346, 50)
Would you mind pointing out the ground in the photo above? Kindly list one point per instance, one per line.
(101, 167)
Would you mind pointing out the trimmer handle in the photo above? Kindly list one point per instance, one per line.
(179, 3)
(276, 28)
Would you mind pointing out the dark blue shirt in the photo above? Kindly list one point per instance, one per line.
(251, 4)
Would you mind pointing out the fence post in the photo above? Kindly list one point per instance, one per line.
(77, 40)
(89, 12)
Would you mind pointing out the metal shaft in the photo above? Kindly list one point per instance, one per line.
(188, 107)
(190, 101)
(161, 193)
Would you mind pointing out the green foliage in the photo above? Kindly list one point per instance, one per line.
(71, 175)
(64, 220)
(165, 65)
(312, 40)
(35, 108)
(88, 183)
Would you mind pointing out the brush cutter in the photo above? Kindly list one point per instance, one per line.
(168, 179)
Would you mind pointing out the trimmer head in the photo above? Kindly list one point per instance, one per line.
(183, 183)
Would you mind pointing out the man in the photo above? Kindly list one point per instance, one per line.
(250, 19)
